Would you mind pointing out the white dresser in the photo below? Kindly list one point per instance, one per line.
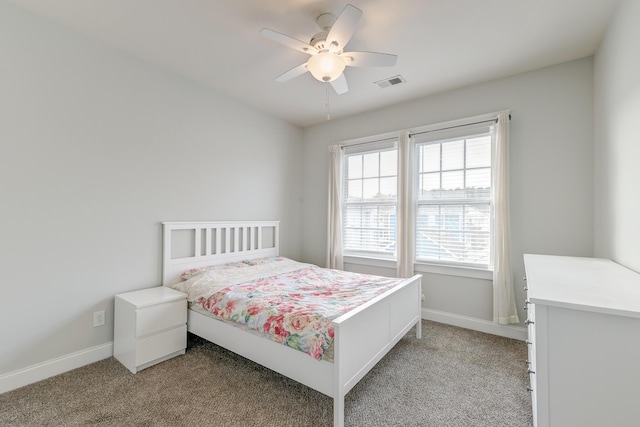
(584, 342)
(149, 327)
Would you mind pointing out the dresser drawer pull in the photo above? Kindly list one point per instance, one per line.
(529, 371)
(529, 389)
(526, 289)
(527, 342)
(529, 322)
(526, 304)
(524, 278)
(527, 362)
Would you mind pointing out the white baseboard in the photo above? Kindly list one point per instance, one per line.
(508, 331)
(44, 370)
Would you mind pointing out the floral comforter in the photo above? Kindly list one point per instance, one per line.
(291, 302)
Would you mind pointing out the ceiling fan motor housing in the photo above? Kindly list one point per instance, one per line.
(325, 22)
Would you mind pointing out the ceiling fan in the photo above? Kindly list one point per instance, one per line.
(328, 58)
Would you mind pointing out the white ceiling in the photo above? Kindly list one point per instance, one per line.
(441, 44)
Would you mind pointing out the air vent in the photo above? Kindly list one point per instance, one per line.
(391, 81)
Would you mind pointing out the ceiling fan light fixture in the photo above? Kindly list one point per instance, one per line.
(326, 66)
(326, 49)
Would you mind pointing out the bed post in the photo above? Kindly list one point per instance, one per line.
(420, 296)
(338, 381)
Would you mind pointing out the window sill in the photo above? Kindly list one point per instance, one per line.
(447, 270)
(450, 270)
(370, 261)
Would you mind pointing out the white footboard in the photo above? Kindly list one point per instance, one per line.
(364, 335)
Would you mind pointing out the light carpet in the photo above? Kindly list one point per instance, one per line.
(451, 377)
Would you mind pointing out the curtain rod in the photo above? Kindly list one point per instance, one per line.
(458, 126)
(420, 133)
(394, 138)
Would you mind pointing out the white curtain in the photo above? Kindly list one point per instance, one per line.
(334, 218)
(405, 232)
(504, 304)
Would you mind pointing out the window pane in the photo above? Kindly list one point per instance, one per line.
(429, 158)
(428, 234)
(389, 163)
(453, 233)
(371, 165)
(354, 190)
(477, 237)
(479, 152)
(478, 218)
(453, 180)
(479, 178)
(479, 183)
(388, 187)
(352, 238)
(453, 155)
(430, 182)
(374, 231)
(369, 216)
(354, 167)
(370, 188)
(352, 217)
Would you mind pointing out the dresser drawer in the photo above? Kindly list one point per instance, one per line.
(159, 345)
(530, 322)
(160, 317)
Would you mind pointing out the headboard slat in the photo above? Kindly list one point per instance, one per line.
(207, 245)
(218, 241)
(197, 244)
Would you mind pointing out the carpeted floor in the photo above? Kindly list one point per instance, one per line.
(452, 377)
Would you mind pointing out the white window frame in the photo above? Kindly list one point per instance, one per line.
(439, 130)
(361, 148)
(461, 131)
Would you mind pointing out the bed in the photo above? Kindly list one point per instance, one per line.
(355, 350)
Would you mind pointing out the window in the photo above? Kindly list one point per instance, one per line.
(453, 200)
(370, 196)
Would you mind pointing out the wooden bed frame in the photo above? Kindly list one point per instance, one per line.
(356, 350)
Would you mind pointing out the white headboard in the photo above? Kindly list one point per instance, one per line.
(198, 244)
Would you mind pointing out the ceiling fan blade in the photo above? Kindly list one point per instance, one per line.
(292, 73)
(369, 59)
(340, 84)
(343, 29)
(296, 44)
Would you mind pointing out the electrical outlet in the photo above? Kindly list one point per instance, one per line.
(98, 318)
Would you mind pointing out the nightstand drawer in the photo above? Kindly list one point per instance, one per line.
(159, 317)
(159, 345)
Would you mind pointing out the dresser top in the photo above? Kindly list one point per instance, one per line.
(591, 284)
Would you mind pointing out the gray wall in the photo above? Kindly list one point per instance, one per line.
(551, 170)
(617, 142)
(97, 149)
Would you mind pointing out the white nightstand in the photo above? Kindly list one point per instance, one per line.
(149, 327)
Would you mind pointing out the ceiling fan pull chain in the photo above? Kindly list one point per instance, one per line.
(326, 102)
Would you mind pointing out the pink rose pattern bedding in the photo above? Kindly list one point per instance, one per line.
(295, 308)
